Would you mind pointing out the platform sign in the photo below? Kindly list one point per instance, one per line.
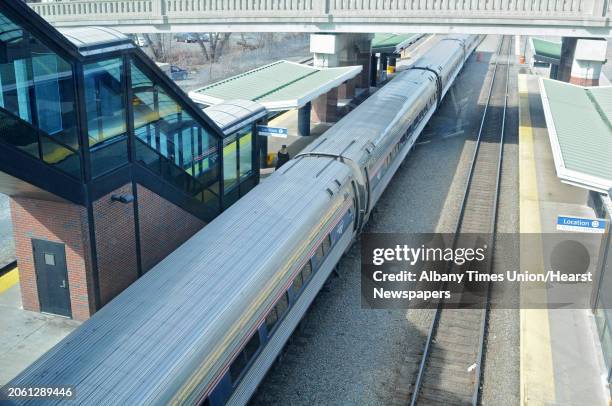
(581, 224)
(272, 131)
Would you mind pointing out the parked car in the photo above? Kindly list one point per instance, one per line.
(140, 41)
(173, 71)
(186, 38)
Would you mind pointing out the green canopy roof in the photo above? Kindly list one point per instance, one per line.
(579, 121)
(393, 43)
(281, 85)
(546, 51)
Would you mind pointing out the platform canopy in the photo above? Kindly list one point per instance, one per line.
(545, 51)
(281, 85)
(97, 40)
(393, 43)
(579, 121)
(235, 114)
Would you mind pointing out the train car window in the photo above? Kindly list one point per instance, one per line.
(237, 367)
(252, 346)
(243, 358)
(306, 271)
(318, 256)
(271, 319)
(326, 244)
(297, 283)
(282, 305)
(206, 402)
(277, 312)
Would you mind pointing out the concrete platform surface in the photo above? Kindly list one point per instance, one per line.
(561, 358)
(25, 335)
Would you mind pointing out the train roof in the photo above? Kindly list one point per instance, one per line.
(194, 308)
(374, 118)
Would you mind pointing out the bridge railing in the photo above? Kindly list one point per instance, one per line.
(100, 10)
(155, 11)
(209, 8)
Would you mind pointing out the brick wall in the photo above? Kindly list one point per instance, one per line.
(163, 227)
(115, 244)
(325, 107)
(58, 222)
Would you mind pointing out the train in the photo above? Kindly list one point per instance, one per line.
(204, 326)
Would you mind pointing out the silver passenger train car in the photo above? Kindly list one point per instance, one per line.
(205, 324)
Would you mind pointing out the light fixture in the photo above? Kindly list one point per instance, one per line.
(122, 198)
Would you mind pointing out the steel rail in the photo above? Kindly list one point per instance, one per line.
(435, 321)
(483, 325)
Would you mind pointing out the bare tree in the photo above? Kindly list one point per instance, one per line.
(216, 43)
(160, 46)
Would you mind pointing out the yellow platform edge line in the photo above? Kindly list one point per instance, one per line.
(537, 386)
(9, 279)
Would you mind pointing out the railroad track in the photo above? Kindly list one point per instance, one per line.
(450, 368)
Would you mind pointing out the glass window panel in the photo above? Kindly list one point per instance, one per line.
(50, 259)
(60, 157)
(37, 85)
(230, 163)
(161, 123)
(106, 119)
(23, 92)
(246, 153)
(48, 102)
(147, 156)
(18, 134)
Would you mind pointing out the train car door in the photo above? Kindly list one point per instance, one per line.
(52, 277)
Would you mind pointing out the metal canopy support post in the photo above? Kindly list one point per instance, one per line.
(304, 119)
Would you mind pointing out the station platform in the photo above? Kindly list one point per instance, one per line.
(25, 335)
(561, 358)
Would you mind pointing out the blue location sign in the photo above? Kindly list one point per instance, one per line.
(581, 224)
(272, 131)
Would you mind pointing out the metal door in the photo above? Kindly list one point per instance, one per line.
(52, 277)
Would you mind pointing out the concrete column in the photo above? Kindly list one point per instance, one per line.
(304, 120)
(325, 107)
(366, 70)
(554, 71)
(334, 50)
(581, 60)
(568, 47)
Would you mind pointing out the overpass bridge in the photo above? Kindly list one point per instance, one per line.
(587, 18)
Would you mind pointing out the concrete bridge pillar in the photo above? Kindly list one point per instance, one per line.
(581, 60)
(333, 50)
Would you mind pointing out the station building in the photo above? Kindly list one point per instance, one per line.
(109, 165)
